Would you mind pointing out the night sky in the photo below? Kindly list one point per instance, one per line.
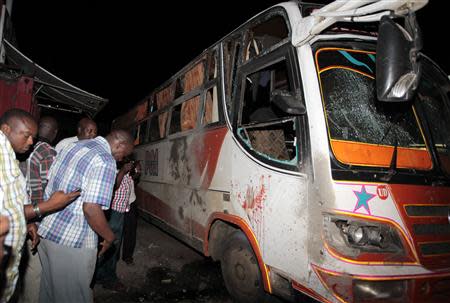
(122, 52)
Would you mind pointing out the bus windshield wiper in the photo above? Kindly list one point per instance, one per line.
(393, 166)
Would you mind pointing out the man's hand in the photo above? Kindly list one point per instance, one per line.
(4, 228)
(96, 219)
(127, 167)
(137, 171)
(105, 246)
(32, 233)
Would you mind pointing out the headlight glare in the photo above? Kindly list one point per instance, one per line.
(356, 235)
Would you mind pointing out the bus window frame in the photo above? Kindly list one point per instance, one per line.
(285, 52)
(221, 121)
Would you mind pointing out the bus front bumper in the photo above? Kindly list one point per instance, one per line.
(371, 289)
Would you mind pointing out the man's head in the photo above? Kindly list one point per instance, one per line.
(48, 129)
(121, 143)
(19, 127)
(87, 129)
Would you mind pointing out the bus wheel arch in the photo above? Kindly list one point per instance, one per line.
(219, 232)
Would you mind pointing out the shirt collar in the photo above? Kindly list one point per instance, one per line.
(104, 143)
(4, 140)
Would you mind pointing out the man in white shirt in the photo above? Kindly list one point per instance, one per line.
(86, 129)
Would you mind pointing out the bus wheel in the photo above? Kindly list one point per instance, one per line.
(240, 270)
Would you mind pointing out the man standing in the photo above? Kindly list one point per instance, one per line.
(86, 129)
(106, 269)
(35, 170)
(17, 129)
(69, 237)
(130, 220)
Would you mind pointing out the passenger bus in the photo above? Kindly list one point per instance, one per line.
(309, 152)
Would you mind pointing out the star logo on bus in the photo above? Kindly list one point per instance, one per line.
(363, 199)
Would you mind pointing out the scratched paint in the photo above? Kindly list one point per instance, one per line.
(179, 164)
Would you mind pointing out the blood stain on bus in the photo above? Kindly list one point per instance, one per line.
(254, 199)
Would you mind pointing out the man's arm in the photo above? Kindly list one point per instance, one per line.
(96, 219)
(56, 201)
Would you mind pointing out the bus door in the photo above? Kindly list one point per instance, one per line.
(269, 183)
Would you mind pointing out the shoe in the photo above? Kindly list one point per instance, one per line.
(129, 261)
(115, 286)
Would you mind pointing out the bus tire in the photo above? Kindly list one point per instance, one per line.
(240, 270)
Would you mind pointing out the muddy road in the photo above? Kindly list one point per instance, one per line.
(166, 270)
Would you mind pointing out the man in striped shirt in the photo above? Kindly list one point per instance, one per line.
(69, 237)
(35, 169)
(17, 129)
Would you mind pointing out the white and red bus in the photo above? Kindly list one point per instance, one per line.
(307, 151)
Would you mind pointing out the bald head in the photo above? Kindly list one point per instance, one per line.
(19, 127)
(48, 129)
(121, 143)
(87, 129)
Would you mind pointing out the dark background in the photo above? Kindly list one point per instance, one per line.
(123, 50)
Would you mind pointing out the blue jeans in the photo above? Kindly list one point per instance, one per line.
(106, 265)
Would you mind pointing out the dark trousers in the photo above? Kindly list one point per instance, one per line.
(106, 264)
(129, 232)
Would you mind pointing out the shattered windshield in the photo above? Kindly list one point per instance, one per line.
(363, 131)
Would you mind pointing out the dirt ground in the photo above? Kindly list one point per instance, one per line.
(166, 270)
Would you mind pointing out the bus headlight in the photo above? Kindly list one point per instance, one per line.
(360, 235)
(352, 237)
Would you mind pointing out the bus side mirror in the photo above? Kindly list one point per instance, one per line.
(288, 103)
(397, 65)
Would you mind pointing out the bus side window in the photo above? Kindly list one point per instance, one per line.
(211, 108)
(175, 125)
(184, 115)
(143, 132)
(264, 36)
(257, 105)
(264, 127)
(158, 126)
